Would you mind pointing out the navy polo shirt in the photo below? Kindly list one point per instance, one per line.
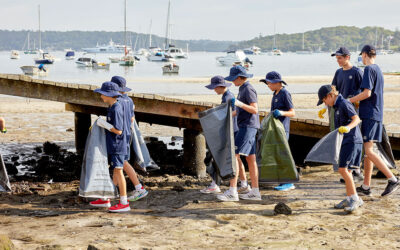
(372, 107)
(247, 94)
(348, 82)
(225, 98)
(116, 144)
(344, 110)
(283, 101)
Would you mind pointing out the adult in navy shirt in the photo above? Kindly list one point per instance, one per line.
(282, 108)
(245, 138)
(346, 121)
(371, 114)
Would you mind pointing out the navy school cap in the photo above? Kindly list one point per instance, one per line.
(342, 51)
(237, 71)
(367, 48)
(218, 81)
(323, 91)
(273, 77)
(121, 82)
(110, 89)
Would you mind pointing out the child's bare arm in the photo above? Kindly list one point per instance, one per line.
(116, 131)
(289, 113)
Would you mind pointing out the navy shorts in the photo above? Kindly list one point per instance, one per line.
(117, 161)
(371, 130)
(245, 141)
(350, 155)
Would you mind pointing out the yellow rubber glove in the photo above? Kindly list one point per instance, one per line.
(344, 129)
(321, 113)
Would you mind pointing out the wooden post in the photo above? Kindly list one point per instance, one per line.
(82, 125)
(194, 152)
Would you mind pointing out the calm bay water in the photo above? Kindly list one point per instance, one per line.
(147, 77)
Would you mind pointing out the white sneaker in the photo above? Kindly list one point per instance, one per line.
(244, 190)
(211, 190)
(228, 196)
(252, 195)
(138, 194)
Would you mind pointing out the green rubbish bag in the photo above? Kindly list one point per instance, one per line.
(274, 159)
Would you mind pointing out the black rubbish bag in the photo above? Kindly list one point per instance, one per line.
(218, 130)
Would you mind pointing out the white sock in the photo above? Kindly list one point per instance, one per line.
(365, 187)
(138, 186)
(213, 184)
(354, 197)
(348, 198)
(243, 183)
(357, 170)
(233, 190)
(256, 190)
(392, 179)
(123, 200)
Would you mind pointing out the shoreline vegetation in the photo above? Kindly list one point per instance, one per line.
(323, 39)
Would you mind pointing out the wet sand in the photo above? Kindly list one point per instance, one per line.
(54, 216)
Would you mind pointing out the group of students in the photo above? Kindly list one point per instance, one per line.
(353, 96)
(246, 124)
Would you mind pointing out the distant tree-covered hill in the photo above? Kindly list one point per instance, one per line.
(327, 39)
(57, 40)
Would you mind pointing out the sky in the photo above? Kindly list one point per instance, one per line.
(233, 20)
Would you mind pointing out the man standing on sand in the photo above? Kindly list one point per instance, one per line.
(3, 125)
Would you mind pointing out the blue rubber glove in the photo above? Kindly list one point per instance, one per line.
(277, 113)
(233, 103)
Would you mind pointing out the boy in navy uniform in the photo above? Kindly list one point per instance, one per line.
(281, 108)
(347, 81)
(116, 140)
(129, 117)
(245, 139)
(346, 121)
(220, 87)
(371, 114)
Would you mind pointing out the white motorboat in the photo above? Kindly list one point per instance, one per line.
(111, 47)
(85, 62)
(170, 68)
(14, 54)
(254, 50)
(232, 57)
(44, 58)
(160, 57)
(142, 52)
(114, 59)
(101, 65)
(175, 52)
(359, 62)
(34, 70)
(69, 55)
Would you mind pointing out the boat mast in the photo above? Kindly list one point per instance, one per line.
(151, 22)
(303, 40)
(167, 31)
(29, 45)
(376, 37)
(40, 36)
(125, 27)
(274, 35)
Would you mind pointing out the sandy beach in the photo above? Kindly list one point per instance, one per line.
(54, 217)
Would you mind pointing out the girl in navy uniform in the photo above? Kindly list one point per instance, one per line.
(220, 87)
(346, 121)
(282, 108)
(371, 114)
